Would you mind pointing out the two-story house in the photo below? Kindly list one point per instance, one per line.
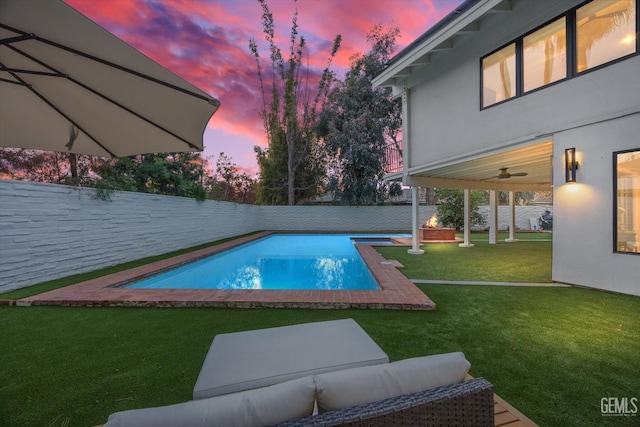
(525, 95)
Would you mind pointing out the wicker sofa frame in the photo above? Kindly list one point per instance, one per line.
(463, 404)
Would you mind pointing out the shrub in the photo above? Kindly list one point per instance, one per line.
(451, 207)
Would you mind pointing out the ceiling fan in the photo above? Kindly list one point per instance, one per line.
(506, 175)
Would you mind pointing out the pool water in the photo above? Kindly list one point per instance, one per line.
(276, 262)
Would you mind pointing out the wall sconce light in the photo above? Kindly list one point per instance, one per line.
(570, 165)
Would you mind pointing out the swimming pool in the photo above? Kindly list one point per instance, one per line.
(276, 262)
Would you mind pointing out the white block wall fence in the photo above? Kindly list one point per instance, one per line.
(51, 231)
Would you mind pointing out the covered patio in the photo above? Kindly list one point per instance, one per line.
(523, 166)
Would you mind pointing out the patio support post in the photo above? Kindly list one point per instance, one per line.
(415, 202)
(467, 220)
(493, 217)
(512, 219)
(415, 223)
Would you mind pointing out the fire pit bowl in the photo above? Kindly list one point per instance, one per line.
(435, 233)
(430, 231)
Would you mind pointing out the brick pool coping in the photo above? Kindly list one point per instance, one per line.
(397, 291)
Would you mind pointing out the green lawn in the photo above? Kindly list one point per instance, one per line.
(522, 236)
(553, 353)
(528, 260)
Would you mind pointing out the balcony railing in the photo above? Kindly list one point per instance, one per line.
(392, 159)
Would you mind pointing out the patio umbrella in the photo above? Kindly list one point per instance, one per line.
(67, 84)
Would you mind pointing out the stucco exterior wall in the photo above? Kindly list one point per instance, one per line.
(447, 93)
(598, 113)
(584, 211)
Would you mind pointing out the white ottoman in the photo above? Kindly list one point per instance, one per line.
(247, 360)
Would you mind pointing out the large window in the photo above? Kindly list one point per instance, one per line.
(499, 75)
(584, 38)
(627, 201)
(605, 31)
(544, 55)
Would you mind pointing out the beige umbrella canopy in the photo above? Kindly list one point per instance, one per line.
(66, 84)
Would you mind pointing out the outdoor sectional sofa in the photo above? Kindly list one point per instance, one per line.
(421, 391)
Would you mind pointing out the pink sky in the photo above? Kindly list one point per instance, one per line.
(206, 42)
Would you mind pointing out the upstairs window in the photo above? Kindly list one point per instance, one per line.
(544, 55)
(584, 38)
(499, 76)
(605, 31)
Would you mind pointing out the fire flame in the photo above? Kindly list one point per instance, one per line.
(432, 222)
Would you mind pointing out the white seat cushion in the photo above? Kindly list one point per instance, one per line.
(259, 358)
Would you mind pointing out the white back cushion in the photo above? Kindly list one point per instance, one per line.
(341, 389)
(251, 408)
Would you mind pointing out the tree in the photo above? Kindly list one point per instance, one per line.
(230, 185)
(47, 166)
(291, 167)
(174, 174)
(245, 189)
(358, 122)
(522, 197)
(222, 186)
(451, 207)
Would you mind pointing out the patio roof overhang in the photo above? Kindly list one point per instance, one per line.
(460, 24)
(480, 170)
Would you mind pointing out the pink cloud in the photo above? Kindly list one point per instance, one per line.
(206, 43)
